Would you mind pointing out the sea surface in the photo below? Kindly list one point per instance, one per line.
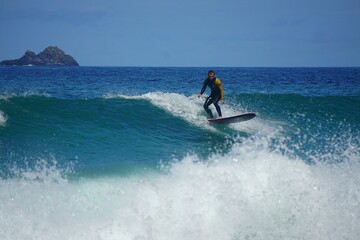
(127, 153)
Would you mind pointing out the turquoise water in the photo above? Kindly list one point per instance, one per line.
(127, 153)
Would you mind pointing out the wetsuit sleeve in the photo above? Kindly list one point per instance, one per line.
(219, 85)
(203, 88)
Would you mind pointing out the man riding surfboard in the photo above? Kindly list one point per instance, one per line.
(217, 93)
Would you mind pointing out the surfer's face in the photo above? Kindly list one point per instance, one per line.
(211, 75)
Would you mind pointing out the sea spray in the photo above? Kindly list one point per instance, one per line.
(251, 192)
(3, 119)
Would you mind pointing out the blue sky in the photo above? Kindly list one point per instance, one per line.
(226, 33)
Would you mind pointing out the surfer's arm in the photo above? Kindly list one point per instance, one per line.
(202, 89)
(218, 83)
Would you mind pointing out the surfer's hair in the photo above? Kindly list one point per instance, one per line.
(211, 71)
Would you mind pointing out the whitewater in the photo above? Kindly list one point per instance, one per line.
(250, 193)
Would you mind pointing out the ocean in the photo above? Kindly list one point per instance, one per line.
(127, 153)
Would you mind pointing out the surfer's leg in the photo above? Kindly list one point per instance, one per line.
(207, 103)
(216, 104)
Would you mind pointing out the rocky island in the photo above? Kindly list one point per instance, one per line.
(51, 56)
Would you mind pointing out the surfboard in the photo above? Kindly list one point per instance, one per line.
(233, 119)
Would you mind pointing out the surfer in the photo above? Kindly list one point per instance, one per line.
(216, 94)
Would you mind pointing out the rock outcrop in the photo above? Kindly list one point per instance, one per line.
(51, 56)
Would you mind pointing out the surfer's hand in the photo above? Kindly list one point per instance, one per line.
(199, 95)
(222, 102)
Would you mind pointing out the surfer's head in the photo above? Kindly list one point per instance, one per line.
(211, 74)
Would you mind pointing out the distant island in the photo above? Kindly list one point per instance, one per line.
(51, 56)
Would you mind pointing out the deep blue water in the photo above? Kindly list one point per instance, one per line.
(128, 153)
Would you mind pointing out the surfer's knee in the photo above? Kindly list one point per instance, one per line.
(206, 106)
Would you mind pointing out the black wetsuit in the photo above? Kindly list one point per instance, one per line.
(216, 94)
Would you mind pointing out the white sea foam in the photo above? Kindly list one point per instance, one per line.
(3, 118)
(249, 193)
(7, 95)
(187, 108)
(4, 97)
(35, 93)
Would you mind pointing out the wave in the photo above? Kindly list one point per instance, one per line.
(107, 131)
(144, 110)
(190, 109)
(252, 192)
(163, 121)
